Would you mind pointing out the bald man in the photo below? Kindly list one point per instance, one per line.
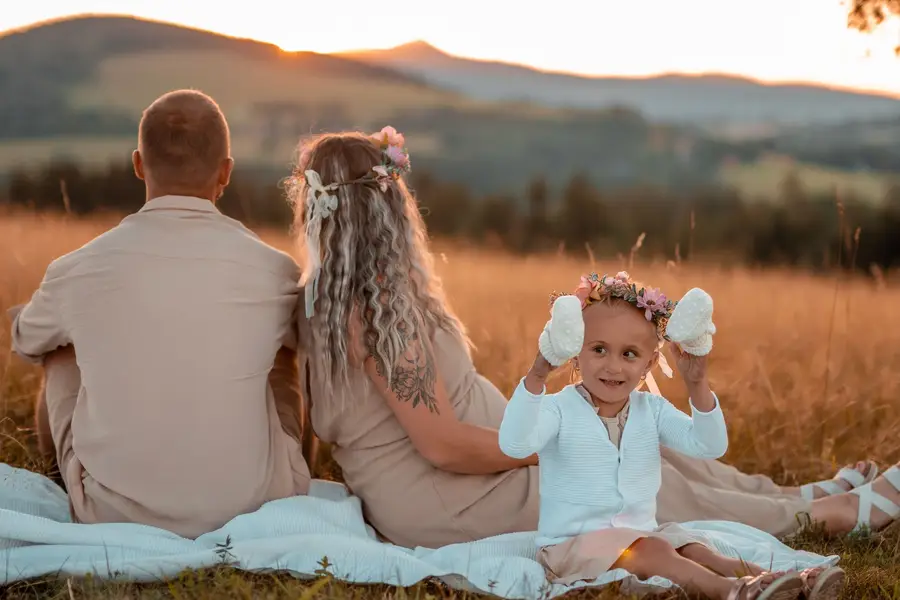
(170, 392)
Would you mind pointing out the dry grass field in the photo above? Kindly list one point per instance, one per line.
(807, 369)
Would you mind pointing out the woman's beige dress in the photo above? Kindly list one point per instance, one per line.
(411, 503)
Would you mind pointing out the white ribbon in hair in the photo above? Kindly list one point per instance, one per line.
(320, 204)
(664, 367)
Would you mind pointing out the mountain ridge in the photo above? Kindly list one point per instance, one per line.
(672, 97)
(425, 48)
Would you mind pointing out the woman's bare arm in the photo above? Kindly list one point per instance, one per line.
(418, 398)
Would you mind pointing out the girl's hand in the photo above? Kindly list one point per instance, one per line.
(537, 375)
(692, 368)
(693, 371)
(541, 367)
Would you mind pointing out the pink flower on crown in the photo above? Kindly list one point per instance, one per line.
(622, 276)
(653, 301)
(583, 291)
(397, 156)
(388, 136)
(615, 285)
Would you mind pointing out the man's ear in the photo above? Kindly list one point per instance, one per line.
(225, 170)
(137, 162)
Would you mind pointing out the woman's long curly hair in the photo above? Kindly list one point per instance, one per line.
(375, 262)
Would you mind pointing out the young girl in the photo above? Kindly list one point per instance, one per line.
(598, 443)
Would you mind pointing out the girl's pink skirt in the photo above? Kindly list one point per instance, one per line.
(590, 555)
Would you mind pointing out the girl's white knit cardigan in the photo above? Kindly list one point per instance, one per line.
(586, 482)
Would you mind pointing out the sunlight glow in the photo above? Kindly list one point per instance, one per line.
(770, 40)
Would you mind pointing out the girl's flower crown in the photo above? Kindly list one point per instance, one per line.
(594, 288)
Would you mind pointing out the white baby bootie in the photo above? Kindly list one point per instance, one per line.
(563, 335)
(691, 325)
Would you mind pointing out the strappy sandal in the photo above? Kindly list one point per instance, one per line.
(868, 498)
(828, 585)
(831, 486)
(785, 586)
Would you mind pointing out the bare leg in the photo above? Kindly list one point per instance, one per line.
(718, 563)
(653, 556)
(838, 513)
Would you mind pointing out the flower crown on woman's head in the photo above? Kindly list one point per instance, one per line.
(321, 201)
(594, 288)
(394, 162)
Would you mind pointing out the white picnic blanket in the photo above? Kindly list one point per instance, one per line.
(37, 538)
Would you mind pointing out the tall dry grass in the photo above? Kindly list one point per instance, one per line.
(807, 369)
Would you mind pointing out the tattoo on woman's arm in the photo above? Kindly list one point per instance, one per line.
(413, 378)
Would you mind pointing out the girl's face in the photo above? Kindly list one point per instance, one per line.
(620, 347)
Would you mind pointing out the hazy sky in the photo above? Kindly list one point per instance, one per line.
(799, 40)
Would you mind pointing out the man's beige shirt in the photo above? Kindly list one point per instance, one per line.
(176, 315)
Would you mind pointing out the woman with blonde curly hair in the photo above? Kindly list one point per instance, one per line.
(392, 386)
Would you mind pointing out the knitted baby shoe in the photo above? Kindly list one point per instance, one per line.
(563, 335)
(691, 325)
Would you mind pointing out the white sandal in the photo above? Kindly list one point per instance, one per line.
(831, 486)
(828, 586)
(781, 586)
(868, 498)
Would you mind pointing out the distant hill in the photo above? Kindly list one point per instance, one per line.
(74, 89)
(99, 65)
(705, 99)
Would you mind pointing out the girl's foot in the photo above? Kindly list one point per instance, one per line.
(822, 583)
(768, 586)
(848, 478)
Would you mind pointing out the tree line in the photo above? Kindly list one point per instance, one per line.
(796, 228)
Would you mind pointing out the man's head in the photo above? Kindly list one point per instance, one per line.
(184, 147)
